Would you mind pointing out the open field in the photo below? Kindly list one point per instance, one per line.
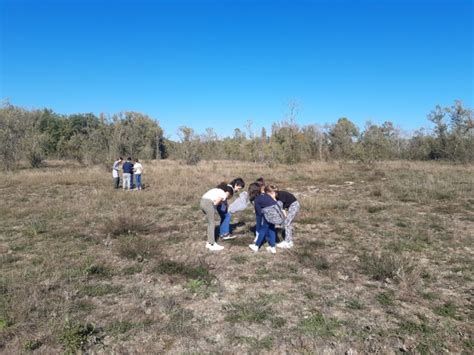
(382, 263)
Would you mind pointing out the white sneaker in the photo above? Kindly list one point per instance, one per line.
(254, 247)
(283, 245)
(229, 237)
(272, 250)
(289, 245)
(214, 247)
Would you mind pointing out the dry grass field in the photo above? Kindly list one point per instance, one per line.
(382, 263)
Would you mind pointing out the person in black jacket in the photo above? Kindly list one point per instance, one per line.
(266, 230)
(290, 204)
(127, 168)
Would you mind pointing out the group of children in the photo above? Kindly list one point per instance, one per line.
(272, 207)
(129, 171)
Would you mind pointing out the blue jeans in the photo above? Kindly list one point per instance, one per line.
(258, 223)
(138, 178)
(224, 227)
(264, 230)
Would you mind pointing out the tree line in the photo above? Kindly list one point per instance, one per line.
(39, 134)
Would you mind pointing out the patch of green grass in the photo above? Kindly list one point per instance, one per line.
(402, 224)
(197, 272)
(314, 244)
(97, 290)
(82, 306)
(74, 337)
(97, 270)
(196, 286)
(386, 298)
(255, 344)
(256, 311)
(4, 324)
(412, 328)
(311, 220)
(430, 296)
(375, 208)
(239, 259)
(180, 322)
(131, 270)
(31, 345)
(138, 248)
(309, 259)
(469, 344)
(447, 309)
(37, 227)
(354, 303)
(278, 322)
(319, 325)
(122, 326)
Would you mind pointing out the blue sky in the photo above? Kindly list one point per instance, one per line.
(218, 64)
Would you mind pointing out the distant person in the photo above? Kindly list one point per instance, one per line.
(211, 200)
(127, 168)
(290, 203)
(137, 171)
(115, 172)
(271, 213)
(224, 229)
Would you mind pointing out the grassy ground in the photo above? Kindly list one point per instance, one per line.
(383, 262)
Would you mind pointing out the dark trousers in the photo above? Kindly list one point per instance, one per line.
(116, 182)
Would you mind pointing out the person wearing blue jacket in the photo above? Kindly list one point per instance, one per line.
(127, 168)
(266, 231)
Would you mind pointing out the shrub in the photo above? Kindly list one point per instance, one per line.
(126, 225)
(74, 337)
(385, 266)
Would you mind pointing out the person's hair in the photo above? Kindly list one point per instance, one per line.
(129, 158)
(261, 180)
(270, 189)
(229, 189)
(222, 185)
(136, 160)
(254, 191)
(120, 158)
(237, 181)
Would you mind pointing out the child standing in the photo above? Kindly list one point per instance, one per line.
(224, 229)
(255, 189)
(137, 171)
(211, 200)
(115, 172)
(291, 204)
(127, 168)
(266, 203)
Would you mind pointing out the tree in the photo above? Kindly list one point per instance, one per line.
(342, 137)
(12, 132)
(190, 145)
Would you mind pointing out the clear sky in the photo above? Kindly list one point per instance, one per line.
(218, 63)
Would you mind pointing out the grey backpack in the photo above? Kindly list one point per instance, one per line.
(274, 214)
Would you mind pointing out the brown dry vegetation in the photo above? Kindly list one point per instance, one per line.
(383, 262)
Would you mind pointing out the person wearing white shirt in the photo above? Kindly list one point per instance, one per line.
(209, 202)
(115, 172)
(137, 171)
